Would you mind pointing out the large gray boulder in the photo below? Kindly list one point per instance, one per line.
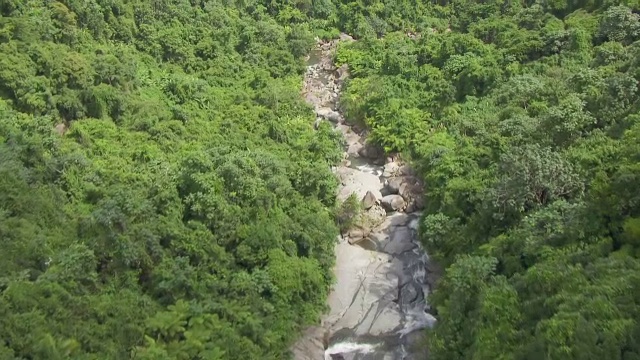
(393, 186)
(393, 202)
(369, 200)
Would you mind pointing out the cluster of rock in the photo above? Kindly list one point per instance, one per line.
(400, 190)
(324, 82)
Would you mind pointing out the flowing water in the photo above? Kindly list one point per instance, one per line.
(378, 306)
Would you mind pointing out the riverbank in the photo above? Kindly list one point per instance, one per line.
(383, 275)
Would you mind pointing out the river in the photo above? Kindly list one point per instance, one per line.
(378, 306)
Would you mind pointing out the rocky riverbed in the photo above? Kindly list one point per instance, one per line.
(377, 305)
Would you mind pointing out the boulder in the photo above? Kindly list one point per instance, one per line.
(393, 202)
(357, 235)
(371, 152)
(60, 128)
(393, 186)
(328, 114)
(343, 72)
(415, 204)
(391, 169)
(405, 190)
(406, 170)
(368, 200)
(346, 37)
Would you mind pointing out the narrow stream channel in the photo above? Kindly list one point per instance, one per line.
(378, 304)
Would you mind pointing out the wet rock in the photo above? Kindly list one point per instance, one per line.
(393, 202)
(310, 347)
(368, 200)
(399, 241)
(408, 294)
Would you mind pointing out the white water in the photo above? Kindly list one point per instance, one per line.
(416, 319)
(348, 347)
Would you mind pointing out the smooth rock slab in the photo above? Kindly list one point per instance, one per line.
(358, 182)
(360, 275)
(371, 305)
(382, 321)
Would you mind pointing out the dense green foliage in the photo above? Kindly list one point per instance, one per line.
(163, 195)
(523, 120)
(187, 212)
